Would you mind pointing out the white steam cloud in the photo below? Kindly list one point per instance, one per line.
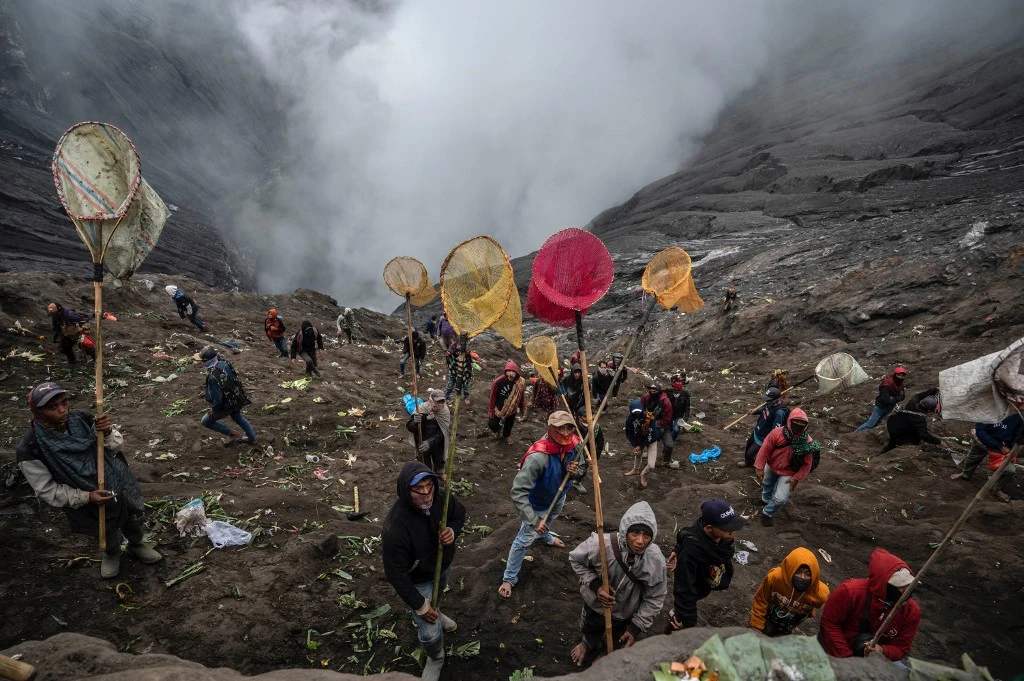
(420, 124)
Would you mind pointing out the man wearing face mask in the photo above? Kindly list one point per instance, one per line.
(702, 560)
(572, 386)
(411, 537)
(679, 397)
(600, 382)
(537, 485)
(637, 584)
(434, 420)
(508, 396)
(891, 391)
(786, 457)
(856, 609)
(788, 594)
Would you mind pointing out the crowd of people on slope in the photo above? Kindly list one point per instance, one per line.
(55, 455)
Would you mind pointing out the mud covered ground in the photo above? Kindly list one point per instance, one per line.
(303, 593)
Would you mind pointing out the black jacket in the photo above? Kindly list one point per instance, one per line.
(680, 404)
(409, 537)
(307, 340)
(432, 435)
(573, 389)
(418, 344)
(600, 384)
(910, 427)
(702, 566)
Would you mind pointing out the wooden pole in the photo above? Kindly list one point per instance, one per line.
(764, 404)
(97, 295)
(415, 395)
(435, 597)
(598, 510)
(622, 364)
(16, 670)
(985, 489)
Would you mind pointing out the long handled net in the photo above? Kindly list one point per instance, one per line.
(479, 291)
(571, 272)
(543, 353)
(98, 177)
(408, 278)
(838, 370)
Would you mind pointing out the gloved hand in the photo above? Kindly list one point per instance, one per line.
(424, 447)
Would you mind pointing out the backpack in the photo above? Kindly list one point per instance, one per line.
(233, 395)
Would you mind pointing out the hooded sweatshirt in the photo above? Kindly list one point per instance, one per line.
(639, 428)
(776, 599)
(777, 451)
(573, 389)
(409, 537)
(540, 474)
(890, 393)
(702, 566)
(637, 603)
(307, 340)
(503, 390)
(601, 382)
(1006, 433)
(841, 616)
(661, 407)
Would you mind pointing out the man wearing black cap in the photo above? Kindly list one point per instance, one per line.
(58, 458)
(702, 560)
(226, 396)
(410, 539)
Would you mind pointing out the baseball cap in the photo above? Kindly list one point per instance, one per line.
(901, 578)
(420, 477)
(654, 385)
(900, 370)
(209, 357)
(719, 513)
(43, 393)
(560, 418)
(436, 396)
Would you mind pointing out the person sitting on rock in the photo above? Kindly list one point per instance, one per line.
(305, 344)
(786, 457)
(187, 307)
(702, 560)
(508, 396)
(857, 608)
(69, 330)
(999, 438)
(790, 593)
(274, 327)
(909, 426)
(891, 391)
(572, 388)
(57, 456)
(770, 415)
(637, 583)
(538, 487)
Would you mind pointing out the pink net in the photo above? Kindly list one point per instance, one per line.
(572, 270)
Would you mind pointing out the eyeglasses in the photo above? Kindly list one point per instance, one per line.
(423, 489)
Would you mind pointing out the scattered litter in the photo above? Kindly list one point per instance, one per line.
(319, 400)
(191, 518)
(742, 557)
(225, 534)
(356, 411)
(167, 456)
(312, 458)
(824, 554)
(707, 455)
(162, 355)
(297, 384)
(322, 474)
(164, 379)
(342, 414)
(387, 438)
(699, 414)
(746, 543)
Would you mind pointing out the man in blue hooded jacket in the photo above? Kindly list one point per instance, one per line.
(999, 437)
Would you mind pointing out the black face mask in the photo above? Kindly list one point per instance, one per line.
(801, 583)
(892, 594)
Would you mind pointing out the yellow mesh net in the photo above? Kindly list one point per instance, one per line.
(668, 278)
(478, 290)
(543, 352)
(405, 275)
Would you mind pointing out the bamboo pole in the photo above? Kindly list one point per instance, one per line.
(97, 294)
(415, 370)
(447, 485)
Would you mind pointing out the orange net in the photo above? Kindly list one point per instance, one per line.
(478, 290)
(408, 276)
(543, 352)
(669, 279)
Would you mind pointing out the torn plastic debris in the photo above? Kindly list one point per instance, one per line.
(225, 534)
(191, 519)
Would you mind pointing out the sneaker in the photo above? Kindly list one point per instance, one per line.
(743, 464)
(579, 488)
(110, 566)
(143, 553)
(674, 465)
(766, 520)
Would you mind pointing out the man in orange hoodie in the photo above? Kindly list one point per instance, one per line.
(856, 609)
(274, 326)
(786, 456)
(788, 594)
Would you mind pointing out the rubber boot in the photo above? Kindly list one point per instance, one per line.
(110, 566)
(435, 660)
(448, 624)
(133, 533)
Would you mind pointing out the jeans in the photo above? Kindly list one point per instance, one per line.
(426, 632)
(496, 423)
(527, 535)
(668, 440)
(876, 415)
(401, 364)
(976, 456)
(281, 346)
(451, 386)
(211, 418)
(774, 491)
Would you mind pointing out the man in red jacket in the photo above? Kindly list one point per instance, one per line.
(856, 609)
(786, 456)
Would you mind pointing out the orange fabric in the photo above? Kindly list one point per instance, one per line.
(777, 588)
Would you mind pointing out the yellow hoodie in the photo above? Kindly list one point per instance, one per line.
(778, 602)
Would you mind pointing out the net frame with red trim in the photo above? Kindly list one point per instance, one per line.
(572, 270)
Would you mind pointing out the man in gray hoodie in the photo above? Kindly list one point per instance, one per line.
(637, 583)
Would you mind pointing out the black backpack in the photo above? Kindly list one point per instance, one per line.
(234, 396)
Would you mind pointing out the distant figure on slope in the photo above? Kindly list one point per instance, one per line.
(305, 344)
(770, 415)
(226, 396)
(891, 392)
(910, 426)
(58, 458)
(431, 328)
(679, 398)
(730, 297)
(69, 329)
(508, 395)
(789, 594)
(418, 351)
(274, 326)
(347, 324)
(616, 361)
(446, 332)
(187, 307)
(997, 439)
(637, 583)
(460, 371)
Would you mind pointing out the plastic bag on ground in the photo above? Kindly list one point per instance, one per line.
(191, 519)
(225, 534)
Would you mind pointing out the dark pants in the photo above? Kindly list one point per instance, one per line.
(592, 629)
(310, 359)
(504, 424)
(211, 418)
(67, 346)
(976, 456)
(281, 346)
(194, 318)
(348, 334)
(751, 452)
(132, 531)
